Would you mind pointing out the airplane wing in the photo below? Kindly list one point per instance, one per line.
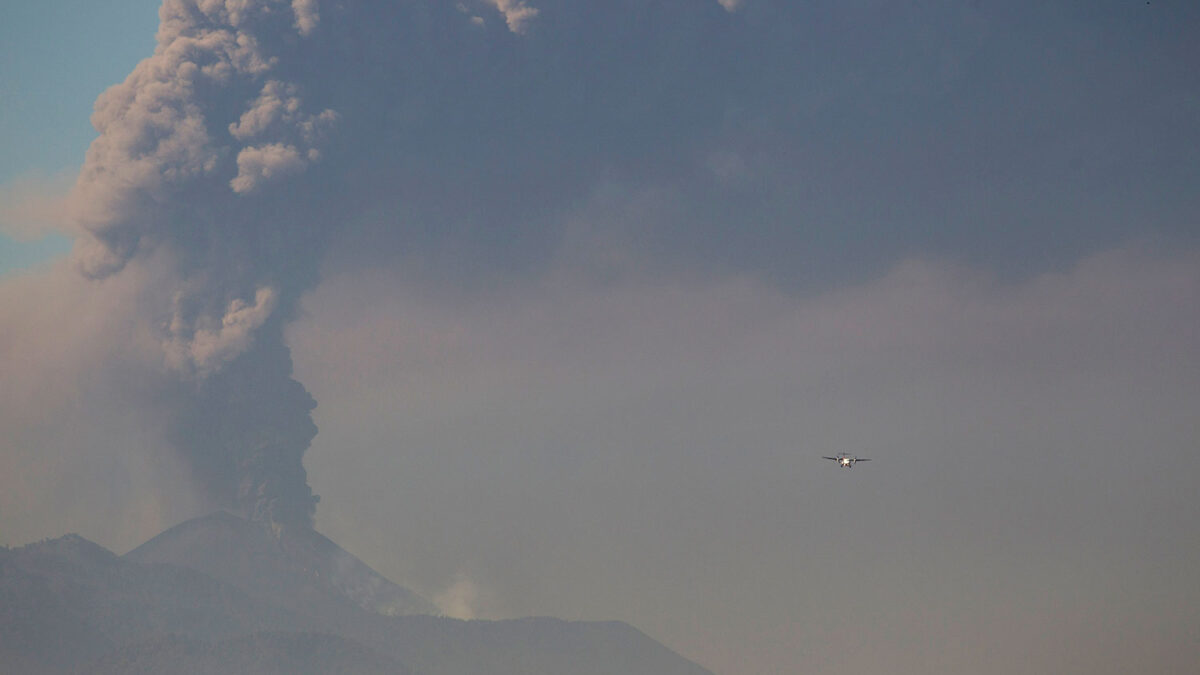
(860, 459)
(833, 458)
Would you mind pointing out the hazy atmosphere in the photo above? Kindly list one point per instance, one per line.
(553, 308)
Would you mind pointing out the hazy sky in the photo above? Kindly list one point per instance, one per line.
(584, 290)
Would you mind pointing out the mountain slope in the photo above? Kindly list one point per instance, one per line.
(533, 646)
(257, 654)
(296, 568)
(66, 601)
(70, 606)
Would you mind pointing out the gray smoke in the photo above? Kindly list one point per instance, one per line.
(193, 162)
(258, 128)
(478, 143)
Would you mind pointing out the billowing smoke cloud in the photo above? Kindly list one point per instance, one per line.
(161, 138)
(307, 15)
(266, 141)
(516, 13)
(190, 147)
(202, 350)
(258, 126)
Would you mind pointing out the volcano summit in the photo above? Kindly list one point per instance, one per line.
(221, 594)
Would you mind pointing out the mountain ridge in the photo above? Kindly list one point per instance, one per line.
(68, 605)
(272, 563)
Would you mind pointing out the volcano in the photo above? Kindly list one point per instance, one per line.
(296, 568)
(222, 594)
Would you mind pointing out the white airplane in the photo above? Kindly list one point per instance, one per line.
(847, 460)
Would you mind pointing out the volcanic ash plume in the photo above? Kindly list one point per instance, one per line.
(421, 129)
(189, 167)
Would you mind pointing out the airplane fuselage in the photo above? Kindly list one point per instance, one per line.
(847, 460)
